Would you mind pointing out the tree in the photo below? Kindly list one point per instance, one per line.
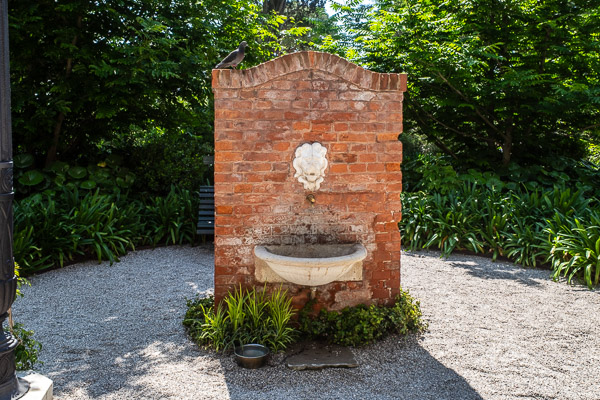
(86, 73)
(488, 79)
(304, 24)
(300, 10)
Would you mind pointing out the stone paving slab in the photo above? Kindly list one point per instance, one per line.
(320, 356)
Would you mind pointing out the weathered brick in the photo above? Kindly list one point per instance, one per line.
(338, 147)
(392, 166)
(223, 156)
(338, 168)
(301, 125)
(222, 209)
(375, 167)
(344, 157)
(357, 168)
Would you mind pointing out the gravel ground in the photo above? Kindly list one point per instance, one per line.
(496, 331)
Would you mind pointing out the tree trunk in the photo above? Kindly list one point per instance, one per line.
(274, 5)
(51, 156)
(507, 149)
(52, 151)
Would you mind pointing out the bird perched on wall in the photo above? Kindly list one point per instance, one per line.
(234, 58)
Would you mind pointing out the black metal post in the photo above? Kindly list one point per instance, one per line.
(10, 386)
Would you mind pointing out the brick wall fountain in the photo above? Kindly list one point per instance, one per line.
(262, 116)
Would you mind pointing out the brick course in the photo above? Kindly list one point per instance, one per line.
(262, 115)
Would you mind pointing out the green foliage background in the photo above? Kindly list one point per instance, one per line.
(490, 81)
(106, 76)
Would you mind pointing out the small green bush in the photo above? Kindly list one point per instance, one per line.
(252, 317)
(28, 349)
(558, 226)
(52, 228)
(106, 175)
(160, 159)
(244, 316)
(172, 219)
(360, 325)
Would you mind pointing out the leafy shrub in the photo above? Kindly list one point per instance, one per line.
(432, 172)
(559, 226)
(244, 316)
(102, 227)
(360, 325)
(52, 228)
(438, 175)
(574, 247)
(107, 175)
(172, 218)
(28, 349)
(46, 230)
(160, 160)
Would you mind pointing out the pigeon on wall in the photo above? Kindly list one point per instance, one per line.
(234, 58)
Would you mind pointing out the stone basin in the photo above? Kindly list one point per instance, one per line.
(311, 264)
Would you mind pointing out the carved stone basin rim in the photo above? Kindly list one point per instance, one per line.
(311, 264)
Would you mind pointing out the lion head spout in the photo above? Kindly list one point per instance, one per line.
(310, 164)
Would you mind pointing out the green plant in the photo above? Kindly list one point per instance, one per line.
(248, 316)
(160, 159)
(53, 233)
(236, 312)
(574, 248)
(107, 175)
(54, 227)
(559, 226)
(437, 174)
(28, 349)
(524, 242)
(279, 334)
(99, 223)
(360, 325)
(256, 309)
(172, 218)
(25, 250)
(215, 329)
(489, 77)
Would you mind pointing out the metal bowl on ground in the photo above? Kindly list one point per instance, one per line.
(251, 355)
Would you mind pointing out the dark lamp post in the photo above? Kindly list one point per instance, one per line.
(10, 387)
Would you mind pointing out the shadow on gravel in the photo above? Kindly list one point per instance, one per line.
(488, 269)
(107, 371)
(396, 368)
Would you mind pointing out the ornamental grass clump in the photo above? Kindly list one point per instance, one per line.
(558, 227)
(244, 316)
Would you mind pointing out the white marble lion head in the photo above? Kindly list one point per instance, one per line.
(310, 164)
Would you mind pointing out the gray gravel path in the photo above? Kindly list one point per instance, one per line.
(496, 331)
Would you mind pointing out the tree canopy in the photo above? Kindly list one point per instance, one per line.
(488, 79)
(88, 72)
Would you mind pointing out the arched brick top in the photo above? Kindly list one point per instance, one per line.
(307, 60)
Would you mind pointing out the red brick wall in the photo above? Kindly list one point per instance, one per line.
(262, 115)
